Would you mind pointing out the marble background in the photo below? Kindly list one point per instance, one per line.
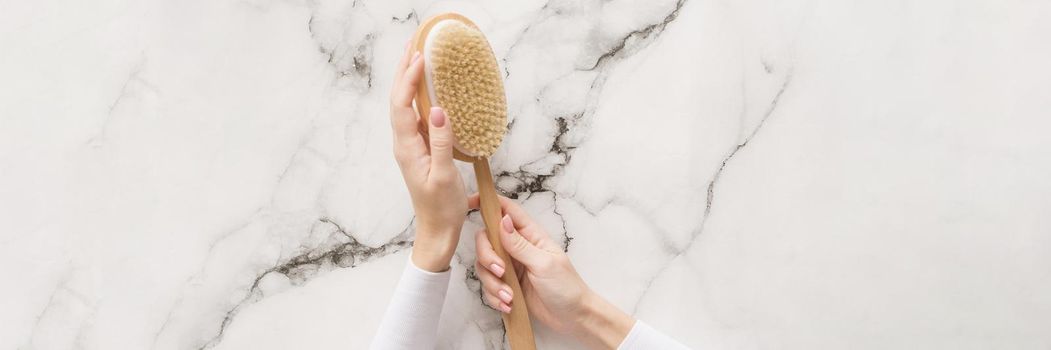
(741, 174)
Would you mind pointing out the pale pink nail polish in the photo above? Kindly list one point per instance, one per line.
(505, 308)
(415, 56)
(507, 225)
(505, 296)
(437, 117)
(497, 269)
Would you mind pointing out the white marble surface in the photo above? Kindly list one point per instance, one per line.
(740, 174)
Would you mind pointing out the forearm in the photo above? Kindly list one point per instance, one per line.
(602, 325)
(432, 251)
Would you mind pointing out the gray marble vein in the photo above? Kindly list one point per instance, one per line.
(738, 174)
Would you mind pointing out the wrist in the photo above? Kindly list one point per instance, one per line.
(601, 324)
(433, 250)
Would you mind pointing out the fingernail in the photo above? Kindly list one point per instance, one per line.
(437, 117)
(507, 225)
(415, 56)
(505, 296)
(497, 269)
(505, 308)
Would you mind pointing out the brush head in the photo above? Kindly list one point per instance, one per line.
(463, 78)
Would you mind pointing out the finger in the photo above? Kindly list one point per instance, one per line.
(492, 285)
(403, 63)
(519, 247)
(508, 206)
(409, 82)
(500, 307)
(487, 256)
(492, 301)
(403, 116)
(491, 295)
(523, 223)
(441, 139)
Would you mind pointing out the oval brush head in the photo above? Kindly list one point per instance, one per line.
(463, 78)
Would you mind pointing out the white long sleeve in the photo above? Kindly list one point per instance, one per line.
(411, 321)
(642, 336)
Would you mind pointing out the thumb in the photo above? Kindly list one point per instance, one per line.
(441, 138)
(519, 247)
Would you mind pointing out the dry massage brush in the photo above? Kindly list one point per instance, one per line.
(462, 77)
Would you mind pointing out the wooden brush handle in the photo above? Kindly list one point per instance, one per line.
(519, 330)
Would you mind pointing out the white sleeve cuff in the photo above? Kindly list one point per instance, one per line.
(642, 336)
(424, 277)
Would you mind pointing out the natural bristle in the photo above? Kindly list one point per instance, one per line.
(469, 88)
